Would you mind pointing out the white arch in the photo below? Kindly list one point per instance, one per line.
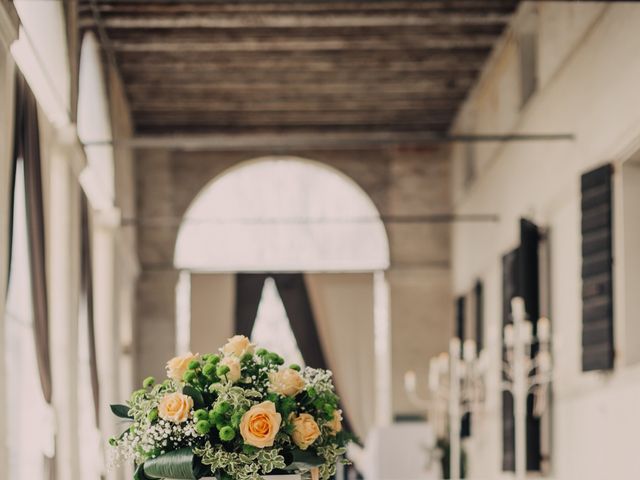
(282, 214)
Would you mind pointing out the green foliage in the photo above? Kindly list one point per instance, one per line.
(121, 411)
(209, 442)
(148, 382)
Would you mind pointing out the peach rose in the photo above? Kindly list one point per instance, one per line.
(234, 368)
(237, 346)
(286, 381)
(175, 407)
(305, 430)
(178, 365)
(260, 425)
(335, 424)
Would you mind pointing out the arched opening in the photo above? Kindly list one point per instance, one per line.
(282, 214)
(292, 252)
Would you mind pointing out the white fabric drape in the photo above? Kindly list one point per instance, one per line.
(343, 308)
(212, 310)
(7, 76)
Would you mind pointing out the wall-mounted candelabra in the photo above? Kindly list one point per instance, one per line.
(524, 373)
(456, 387)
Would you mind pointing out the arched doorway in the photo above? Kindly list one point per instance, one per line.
(301, 223)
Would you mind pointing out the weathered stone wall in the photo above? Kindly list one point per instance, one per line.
(399, 182)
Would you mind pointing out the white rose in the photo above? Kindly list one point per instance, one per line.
(237, 346)
(178, 365)
(286, 381)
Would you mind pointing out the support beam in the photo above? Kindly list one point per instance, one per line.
(355, 140)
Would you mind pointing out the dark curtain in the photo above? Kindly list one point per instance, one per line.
(295, 298)
(26, 147)
(86, 288)
(248, 292)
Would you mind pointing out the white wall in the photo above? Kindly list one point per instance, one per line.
(588, 77)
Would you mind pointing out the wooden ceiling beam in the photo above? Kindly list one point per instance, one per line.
(426, 58)
(297, 21)
(311, 90)
(288, 77)
(323, 7)
(284, 131)
(310, 118)
(223, 107)
(288, 44)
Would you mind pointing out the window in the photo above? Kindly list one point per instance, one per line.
(30, 425)
(272, 329)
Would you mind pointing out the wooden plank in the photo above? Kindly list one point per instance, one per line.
(324, 7)
(301, 44)
(287, 20)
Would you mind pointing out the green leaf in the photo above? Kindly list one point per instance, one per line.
(121, 411)
(198, 401)
(179, 464)
(139, 474)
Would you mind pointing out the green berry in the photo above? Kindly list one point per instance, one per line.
(222, 407)
(222, 370)
(152, 415)
(213, 359)
(148, 382)
(194, 364)
(227, 434)
(201, 414)
(113, 441)
(312, 392)
(247, 357)
(261, 352)
(295, 366)
(203, 427)
(189, 376)
(279, 360)
(209, 370)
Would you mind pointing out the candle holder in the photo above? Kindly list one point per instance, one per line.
(524, 374)
(456, 387)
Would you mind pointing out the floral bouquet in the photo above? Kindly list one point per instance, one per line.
(236, 415)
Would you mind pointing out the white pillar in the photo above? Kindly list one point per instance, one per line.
(382, 349)
(106, 321)
(64, 283)
(454, 409)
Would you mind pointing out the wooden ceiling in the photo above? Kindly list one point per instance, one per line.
(296, 66)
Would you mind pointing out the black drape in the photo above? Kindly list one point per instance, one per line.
(295, 298)
(86, 287)
(248, 292)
